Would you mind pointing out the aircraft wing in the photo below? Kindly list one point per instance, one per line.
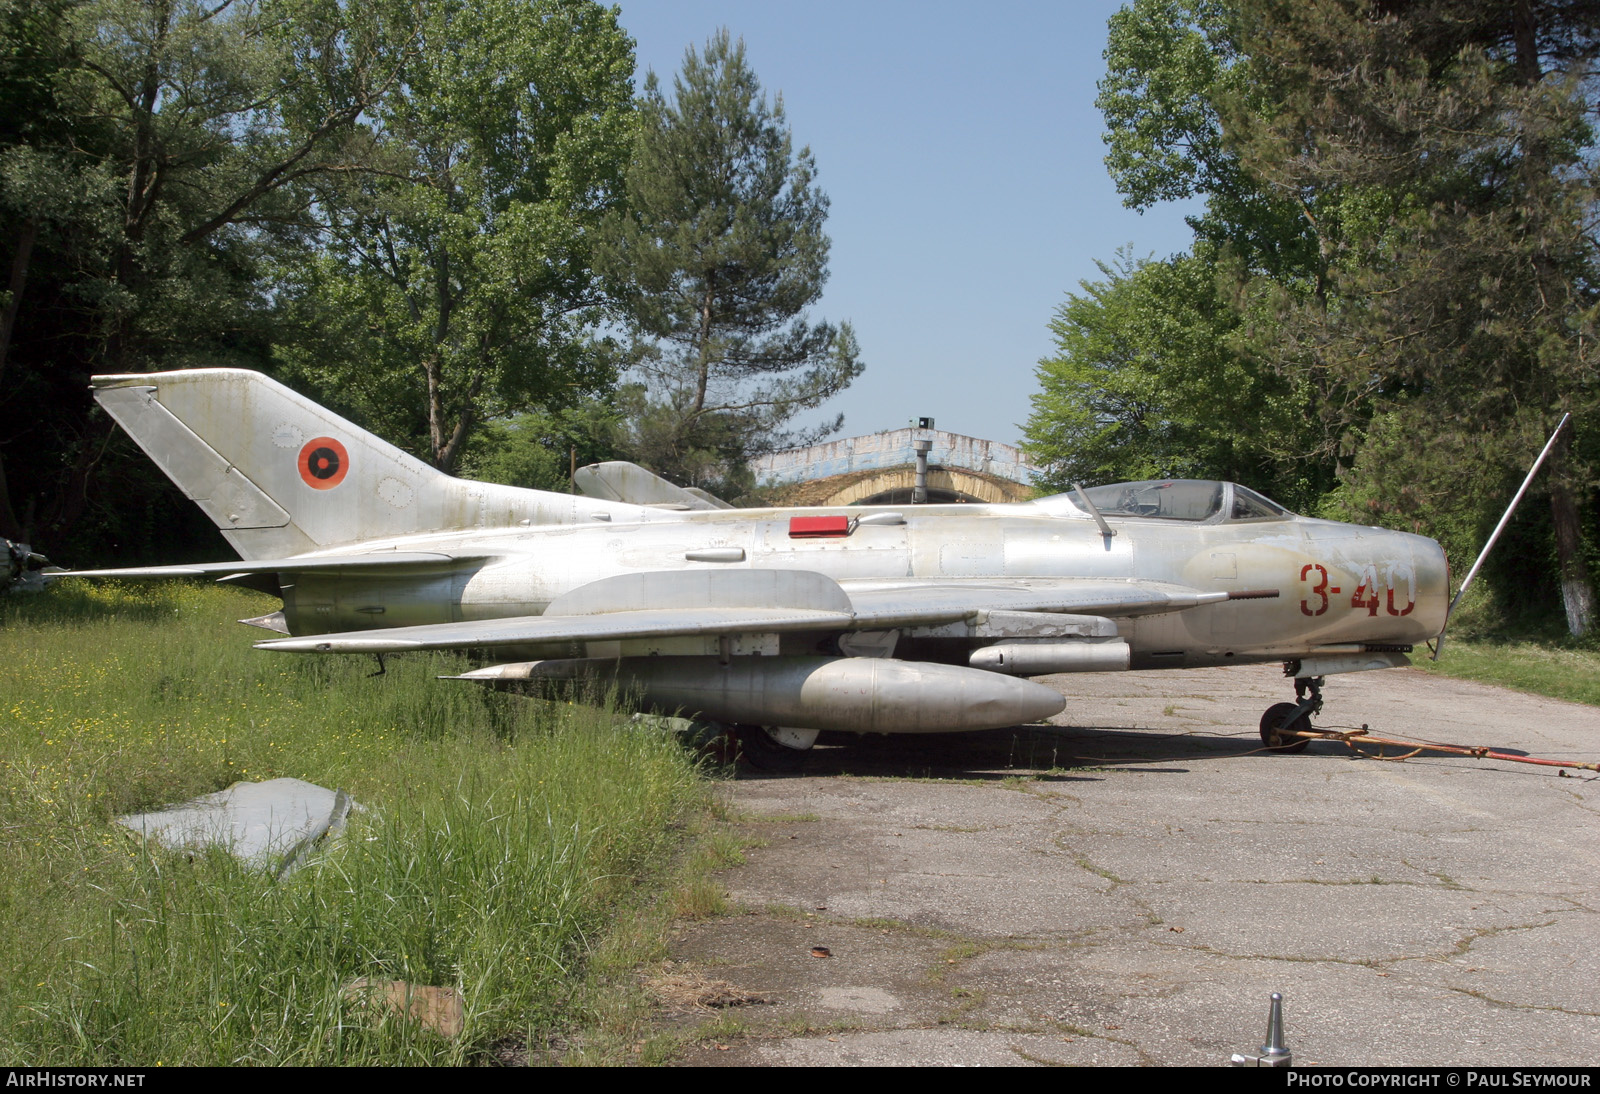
(530, 629)
(708, 602)
(326, 564)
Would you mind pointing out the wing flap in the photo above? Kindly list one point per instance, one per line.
(688, 589)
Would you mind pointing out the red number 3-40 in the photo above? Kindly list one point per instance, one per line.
(1320, 589)
(1366, 596)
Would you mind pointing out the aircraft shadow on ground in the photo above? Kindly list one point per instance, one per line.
(1046, 753)
(1050, 754)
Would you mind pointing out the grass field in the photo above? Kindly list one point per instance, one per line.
(1543, 668)
(506, 848)
(497, 840)
(1531, 654)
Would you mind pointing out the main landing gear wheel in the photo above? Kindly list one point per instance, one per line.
(777, 749)
(1279, 724)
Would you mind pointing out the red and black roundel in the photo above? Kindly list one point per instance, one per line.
(323, 463)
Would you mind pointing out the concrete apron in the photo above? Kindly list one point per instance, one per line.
(1138, 903)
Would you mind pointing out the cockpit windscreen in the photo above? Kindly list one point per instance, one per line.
(1199, 500)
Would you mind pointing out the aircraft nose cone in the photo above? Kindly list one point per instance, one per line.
(1433, 583)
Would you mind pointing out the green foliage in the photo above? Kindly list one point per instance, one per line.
(717, 259)
(1455, 189)
(140, 203)
(204, 118)
(1444, 200)
(1541, 667)
(516, 452)
(538, 450)
(1173, 72)
(498, 838)
(708, 451)
(1147, 382)
(1166, 61)
(1396, 203)
(456, 282)
(392, 201)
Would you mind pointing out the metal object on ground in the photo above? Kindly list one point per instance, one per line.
(24, 567)
(1494, 536)
(272, 825)
(1274, 1053)
(1302, 734)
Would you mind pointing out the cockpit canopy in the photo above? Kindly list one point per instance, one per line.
(1204, 501)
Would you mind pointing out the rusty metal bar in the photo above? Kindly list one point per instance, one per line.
(1349, 737)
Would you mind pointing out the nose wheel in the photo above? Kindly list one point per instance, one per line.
(1282, 722)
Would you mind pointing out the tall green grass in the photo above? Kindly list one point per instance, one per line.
(496, 837)
(1529, 652)
(1559, 671)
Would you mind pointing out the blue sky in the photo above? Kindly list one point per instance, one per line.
(961, 150)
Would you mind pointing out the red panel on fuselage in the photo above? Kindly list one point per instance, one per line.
(818, 527)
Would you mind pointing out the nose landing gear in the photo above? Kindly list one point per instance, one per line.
(1283, 721)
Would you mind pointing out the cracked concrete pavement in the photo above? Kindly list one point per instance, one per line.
(1129, 885)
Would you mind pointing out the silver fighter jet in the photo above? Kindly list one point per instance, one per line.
(868, 620)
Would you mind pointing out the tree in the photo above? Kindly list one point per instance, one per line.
(1402, 195)
(35, 185)
(1455, 172)
(539, 450)
(1173, 70)
(456, 284)
(717, 259)
(1177, 79)
(151, 164)
(1146, 383)
(208, 117)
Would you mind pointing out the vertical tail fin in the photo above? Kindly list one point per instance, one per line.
(280, 475)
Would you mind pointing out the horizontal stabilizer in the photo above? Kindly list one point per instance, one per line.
(272, 621)
(619, 480)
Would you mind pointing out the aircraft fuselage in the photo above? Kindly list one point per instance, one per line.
(1337, 584)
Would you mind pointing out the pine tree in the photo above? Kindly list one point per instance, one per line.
(1445, 161)
(722, 253)
(1402, 195)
